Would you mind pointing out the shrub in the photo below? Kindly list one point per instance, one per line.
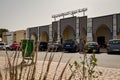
(85, 70)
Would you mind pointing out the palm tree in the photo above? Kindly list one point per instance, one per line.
(3, 30)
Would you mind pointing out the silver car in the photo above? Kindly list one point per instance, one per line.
(113, 46)
(2, 46)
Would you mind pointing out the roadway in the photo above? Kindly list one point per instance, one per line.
(104, 59)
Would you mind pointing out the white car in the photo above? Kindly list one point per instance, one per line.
(2, 46)
(7, 46)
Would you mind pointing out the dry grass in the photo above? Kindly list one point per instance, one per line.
(26, 68)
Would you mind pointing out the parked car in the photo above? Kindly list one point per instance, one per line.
(71, 45)
(7, 46)
(113, 46)
(54, 46)
(43, 46)
(2, 46)
(15, 46)
(91, 47)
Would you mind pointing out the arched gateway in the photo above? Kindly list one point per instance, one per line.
(68, 33)
(44, 37)
(102, 35)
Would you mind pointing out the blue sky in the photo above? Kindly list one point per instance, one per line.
(22, 14)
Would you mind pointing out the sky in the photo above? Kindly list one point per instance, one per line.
(22, 14)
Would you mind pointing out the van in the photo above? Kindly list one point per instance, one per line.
(113, 46)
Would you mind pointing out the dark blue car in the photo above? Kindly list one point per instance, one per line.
(70, 46)
(43, 46)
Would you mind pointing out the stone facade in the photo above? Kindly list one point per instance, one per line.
(44, 33)
(33, 33)
(99, 29)
(118, 26)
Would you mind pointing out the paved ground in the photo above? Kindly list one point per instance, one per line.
(104, 59)
(108, 64)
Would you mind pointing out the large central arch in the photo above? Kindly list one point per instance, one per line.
(102, 35)
(68, 33)
(44, 37)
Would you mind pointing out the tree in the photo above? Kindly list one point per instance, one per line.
(3, 30)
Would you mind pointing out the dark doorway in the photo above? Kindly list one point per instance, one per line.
(101, 41)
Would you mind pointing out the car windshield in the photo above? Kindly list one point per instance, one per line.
(1, 43)
(69, 41)
(91, 43)
(42, 43)
(114, 42)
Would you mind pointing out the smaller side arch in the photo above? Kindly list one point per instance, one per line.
(33, 36)
(102, 35)
(44, 37)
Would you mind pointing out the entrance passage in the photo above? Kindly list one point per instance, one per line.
(33, 37)
(68, 33)
(101, 41)
(44, 37)
(102, 35)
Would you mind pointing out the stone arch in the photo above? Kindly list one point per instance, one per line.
(33, 37)
(44, 37)
(68, 33)
(102, 34)
(118, 36)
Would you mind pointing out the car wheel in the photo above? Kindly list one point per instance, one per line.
(109, 52)
(98, 51)
(7, 48)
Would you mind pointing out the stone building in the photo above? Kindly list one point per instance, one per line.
(61, 30)
(99, 29)
(16, 36)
